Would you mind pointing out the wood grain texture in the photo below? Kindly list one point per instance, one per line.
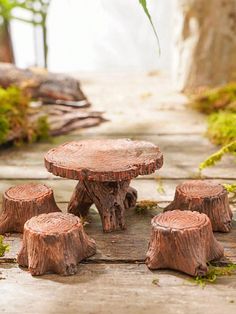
(22, 202)
(206, 197)
(104, 160)
(184, 241)
(113, 289)
(54, 242)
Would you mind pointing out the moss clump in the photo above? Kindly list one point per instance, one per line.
(42, 129)
(13, 111)
(231, 188)
(14, 118)
(222, 127)
(214, 272)
(213, 100)
(142, 206)
(3, 247)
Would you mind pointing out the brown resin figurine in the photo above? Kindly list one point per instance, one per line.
(184, 241)
(56, 243)
(104, 169)
(22, 202)
(205, 197)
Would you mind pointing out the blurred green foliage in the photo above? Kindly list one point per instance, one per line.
(145, 9)
(216, 99)
(14, 118)
(3, 247)
(38, 10)
(220, 106)
(222, 127)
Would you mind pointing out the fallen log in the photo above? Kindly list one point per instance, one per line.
(46, 86)
(57, 102)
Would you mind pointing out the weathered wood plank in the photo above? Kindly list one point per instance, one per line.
(147, 189)
(111, 289)
(182, 155)
(126, 246)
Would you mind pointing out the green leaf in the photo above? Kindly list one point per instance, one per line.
(144, 6)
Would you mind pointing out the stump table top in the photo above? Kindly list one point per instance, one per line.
(104, 160)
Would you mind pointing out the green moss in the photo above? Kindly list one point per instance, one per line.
(3, 247)
(222, 127)
(214, 272)
(213, 100)
(14, 118)
(143, 206)
(231, 188)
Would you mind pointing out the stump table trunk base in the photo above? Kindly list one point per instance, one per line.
(55, 243)
(110, 198)
(184, 241)
(104, 168)
(23, 202)
(205, 197)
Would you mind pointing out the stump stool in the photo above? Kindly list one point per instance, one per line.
(184, 241)
(22, 202)
(54, 242)
(205, 197)
(104, 169)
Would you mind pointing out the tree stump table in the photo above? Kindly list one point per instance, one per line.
(206, 197)
(54, 242)
(24, 201)
(104, 169)
(184, 241)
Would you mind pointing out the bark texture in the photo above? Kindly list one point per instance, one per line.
(55, 243)
(205, 197)
(81, 202)
(109, 199)
(130, 198)
(188, 235)
(42, 84)
(205, 43)
(22, 202)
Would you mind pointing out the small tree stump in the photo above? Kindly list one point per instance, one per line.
(54, 242)
(184, 241)
(205, 197)
(104, 169)
(22, 202)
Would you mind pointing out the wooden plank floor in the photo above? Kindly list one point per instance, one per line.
(116, 279)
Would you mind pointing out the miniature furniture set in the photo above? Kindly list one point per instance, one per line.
(181, 237)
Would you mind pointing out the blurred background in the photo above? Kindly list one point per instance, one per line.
(93, 35)
(197, 37)
(195, 50)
